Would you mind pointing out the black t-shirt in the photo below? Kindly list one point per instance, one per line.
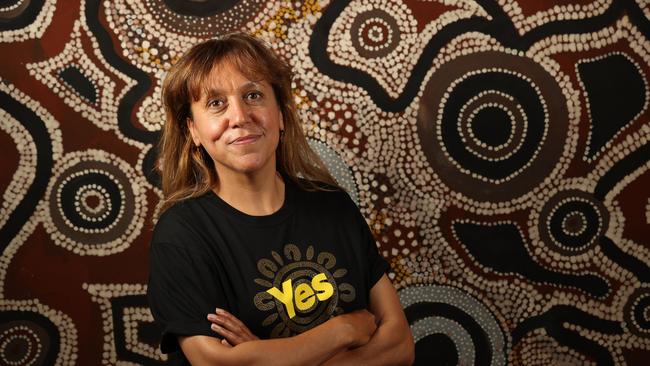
(280, 274)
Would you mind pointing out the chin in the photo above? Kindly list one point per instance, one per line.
(248, 167)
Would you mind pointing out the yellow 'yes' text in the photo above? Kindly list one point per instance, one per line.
(304, 294)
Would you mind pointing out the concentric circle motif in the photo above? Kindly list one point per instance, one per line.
(492, 125)
(12, 9)
(23, 343)
(375, 33)
(490, 131)
(572, 221)
(96, 204)
(300, 270)
(449, 318)
(459, 337)
(203, 18)
(20, 346)
(637, 312)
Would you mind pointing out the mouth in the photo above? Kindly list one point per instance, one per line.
(244, 140)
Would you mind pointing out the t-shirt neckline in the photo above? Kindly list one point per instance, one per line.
(276, 217)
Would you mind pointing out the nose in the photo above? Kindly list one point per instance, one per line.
(239, 113)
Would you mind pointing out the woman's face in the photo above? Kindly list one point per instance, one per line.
(237, 121)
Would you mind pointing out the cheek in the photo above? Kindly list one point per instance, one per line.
(219, 129)
(213, 131)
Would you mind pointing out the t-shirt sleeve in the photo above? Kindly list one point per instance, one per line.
(181, 292)
(376, 262)
(377, 265)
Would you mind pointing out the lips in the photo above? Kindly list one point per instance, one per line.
(243, 140)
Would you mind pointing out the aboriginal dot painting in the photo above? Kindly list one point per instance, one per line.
(499, 150)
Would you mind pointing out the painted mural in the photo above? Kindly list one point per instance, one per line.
(499, 150)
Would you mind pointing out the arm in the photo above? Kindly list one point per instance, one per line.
(309, 348)
(392, 343)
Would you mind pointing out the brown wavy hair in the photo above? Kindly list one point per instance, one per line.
(188, 171)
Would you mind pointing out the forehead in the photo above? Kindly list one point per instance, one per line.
(228, 75)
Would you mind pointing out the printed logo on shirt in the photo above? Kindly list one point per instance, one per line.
(299, 291)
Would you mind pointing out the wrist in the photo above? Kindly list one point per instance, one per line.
(343, 332)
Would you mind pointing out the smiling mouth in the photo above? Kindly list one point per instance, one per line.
(244, 140)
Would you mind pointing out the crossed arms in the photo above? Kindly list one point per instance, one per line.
(380, 336)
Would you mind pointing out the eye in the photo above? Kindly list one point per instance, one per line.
(215, 103)
(253, 95)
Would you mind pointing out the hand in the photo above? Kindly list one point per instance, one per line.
(361, 326)
(230, 328)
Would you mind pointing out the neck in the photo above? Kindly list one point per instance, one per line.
(256, 194)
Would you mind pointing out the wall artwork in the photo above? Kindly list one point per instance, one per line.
(499, 150)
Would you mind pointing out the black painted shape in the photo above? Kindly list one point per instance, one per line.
(553, 320)
(482, 350)
(436, 349)
(42, 321)
(616, 94)
(500, 27)
(25, 18)
(587, 347)
(72, 76)
(511, 85)
(621, 169)
(134, 94)
(149, 333)
(118, 305)
(615, 11)
(72, 187)
(639, 312)
(637, 16)
(37, 130)
(559, 314)
(137, 92)
(625, 260)
(577, 26)
(492, 126)
(501, 248)
(149, 166)
(200, 8)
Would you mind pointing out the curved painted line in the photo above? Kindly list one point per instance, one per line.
(126, 106)
(553, 320)
(25, 18)
(44, 164)
(500, 27)
(620, 169)
(625, 260)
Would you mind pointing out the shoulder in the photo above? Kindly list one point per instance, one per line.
(325, 199)
(313, 190)
(180, 220)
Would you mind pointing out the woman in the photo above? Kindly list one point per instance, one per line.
(258, 257)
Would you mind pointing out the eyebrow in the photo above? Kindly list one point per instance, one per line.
(213, 92)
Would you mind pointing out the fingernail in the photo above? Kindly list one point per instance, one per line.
(215, 327)
(219, 311)
(212, 317)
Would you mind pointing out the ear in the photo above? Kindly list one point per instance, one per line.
(193, 133)
(281, 119)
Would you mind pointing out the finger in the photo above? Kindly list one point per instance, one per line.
(225, 343)
(212, 318)
(232, 338)
(227, 323)
(233, 323)
(232, 318)
(238, 335)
